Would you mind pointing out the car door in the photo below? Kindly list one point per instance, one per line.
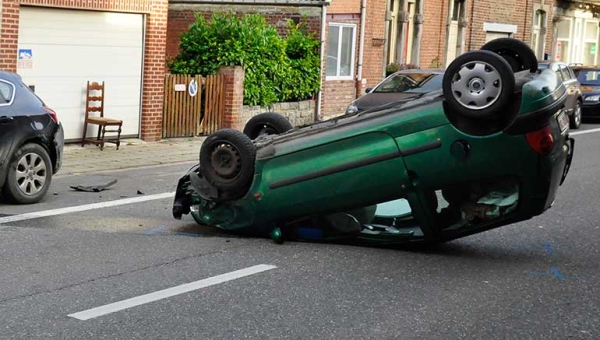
(571, 85)
(7, 121)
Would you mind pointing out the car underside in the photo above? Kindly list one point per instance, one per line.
(491, 149)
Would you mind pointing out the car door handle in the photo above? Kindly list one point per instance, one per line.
(5, 120)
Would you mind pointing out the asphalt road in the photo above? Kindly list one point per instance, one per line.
(537, 279)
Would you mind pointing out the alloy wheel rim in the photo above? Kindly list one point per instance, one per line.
(477, 85)
(31, 174)
(577, 115)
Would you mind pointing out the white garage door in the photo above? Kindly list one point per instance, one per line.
(69, 47)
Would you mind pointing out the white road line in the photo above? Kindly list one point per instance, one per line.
(166, 293)
(78, 208)
(583, 132)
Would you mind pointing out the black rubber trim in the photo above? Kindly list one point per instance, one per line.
(536, 119)
(422, 148)
(333, 170)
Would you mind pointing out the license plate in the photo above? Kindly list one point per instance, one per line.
(563, 121)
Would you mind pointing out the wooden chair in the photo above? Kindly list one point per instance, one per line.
(94, 114)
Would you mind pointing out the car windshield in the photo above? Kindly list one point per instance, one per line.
(410, 83)
(588, 77)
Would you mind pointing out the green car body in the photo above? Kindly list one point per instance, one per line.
(408, 151)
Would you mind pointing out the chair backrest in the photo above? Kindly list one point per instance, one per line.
(94, 102)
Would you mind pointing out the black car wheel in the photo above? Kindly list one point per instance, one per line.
(267, 123)
(29, 175)
(227, 162)
(478, 84)
(575, 119)
(518, 55)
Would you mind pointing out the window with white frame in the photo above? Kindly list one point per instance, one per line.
(341, 45)
(562, 48)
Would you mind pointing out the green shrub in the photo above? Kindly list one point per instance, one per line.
(276, 69)
(395, 67)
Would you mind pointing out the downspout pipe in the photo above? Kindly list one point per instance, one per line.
(361, 46)
(318, 113)
(386, 36)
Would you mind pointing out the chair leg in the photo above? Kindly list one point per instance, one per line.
(119, 137)
(84, 133)
(99, 132)
(102, 140)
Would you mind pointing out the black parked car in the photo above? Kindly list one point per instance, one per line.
(398, 86)
(31, 142)
(574, 102)
(589, 77)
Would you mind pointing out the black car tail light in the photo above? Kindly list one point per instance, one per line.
(541, 141)
(52, 114)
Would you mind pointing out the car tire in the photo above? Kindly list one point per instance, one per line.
(29, 175)
(575, 119)
(267, 123)
(478, 84)
(227, 162)
(517, 53)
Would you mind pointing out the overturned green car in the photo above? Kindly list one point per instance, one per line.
(489, 149)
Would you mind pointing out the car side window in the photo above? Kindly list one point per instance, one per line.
(397, 83)
(565, 73)
(571, 73)
(6, 92)
(556, 68)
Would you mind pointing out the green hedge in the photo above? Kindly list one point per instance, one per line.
(277, 69)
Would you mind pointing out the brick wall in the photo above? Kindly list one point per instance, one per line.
(433, 41)
(513, 12)
(156, 24)
(154, 75)
(347, 6)
(234, 97)
(181, 16)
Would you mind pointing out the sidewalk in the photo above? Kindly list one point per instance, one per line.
(132, 153)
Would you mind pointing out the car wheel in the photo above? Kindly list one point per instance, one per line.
(29, 175)
(518, 55)
(478, 84)
(227, 162)
(575, 119)
(267, 123)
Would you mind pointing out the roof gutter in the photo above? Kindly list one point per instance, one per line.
(256, 2)
(323, 33)
(361, 46)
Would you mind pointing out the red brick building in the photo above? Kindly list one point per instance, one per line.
(451, 27)
(58, 45)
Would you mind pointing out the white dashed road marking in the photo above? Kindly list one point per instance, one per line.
(163, 294)
(583, 132)
(78, 208)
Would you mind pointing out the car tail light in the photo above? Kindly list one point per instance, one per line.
(541, 141)
(52, 113)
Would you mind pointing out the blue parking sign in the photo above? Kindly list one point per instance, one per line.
(193, 87)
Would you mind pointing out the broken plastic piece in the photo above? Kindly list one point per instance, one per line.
(93, 188)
